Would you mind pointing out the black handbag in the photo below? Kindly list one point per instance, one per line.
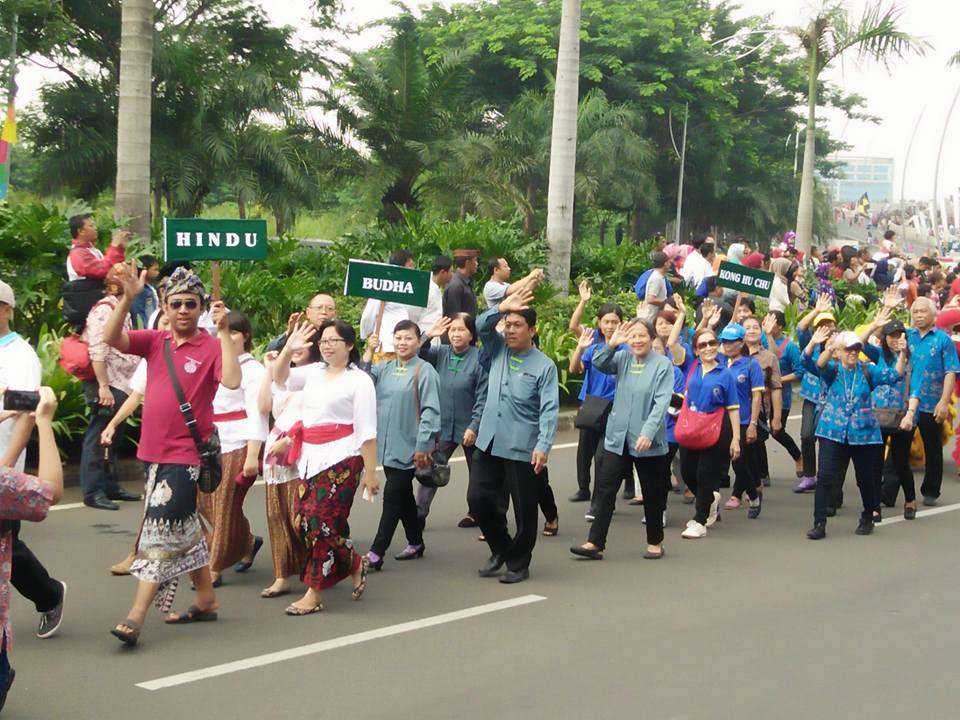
(211, 469)
(593, 413)
(438, 474)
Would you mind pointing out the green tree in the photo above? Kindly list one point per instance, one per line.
(831, 33)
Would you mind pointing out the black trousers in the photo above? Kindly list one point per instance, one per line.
(612, 468)
(834, 460)
(931, 432)
(704, 470)
(808, 438)
(589, 449)
(745, 467)
(399, 506)
(490, 474)
(899, 442)
(782, 437)
(30, 577)
(97, 476)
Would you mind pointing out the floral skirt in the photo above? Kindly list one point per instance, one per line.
(171, 541)
(323, 511)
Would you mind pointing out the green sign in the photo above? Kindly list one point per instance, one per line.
(387, 282)
(745, 279)
(196, 239)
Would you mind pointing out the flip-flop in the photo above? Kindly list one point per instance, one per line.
(192, 615)
(243, 566)
(130, 637)
(119, 570)
(294, 611)
(551, 531)
(358, 590)
(269, 594)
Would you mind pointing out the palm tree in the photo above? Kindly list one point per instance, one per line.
(828, 35)
(133, 115)
(563, 148)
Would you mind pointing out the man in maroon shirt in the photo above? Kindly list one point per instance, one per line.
(85, 260)
(171, 540)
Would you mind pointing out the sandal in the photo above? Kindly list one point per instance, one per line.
(192, 615)
(358, 589)
(269, 594)
(244, 565)
(551, 529)
(294, 611)
(127, 637)
(635, 501)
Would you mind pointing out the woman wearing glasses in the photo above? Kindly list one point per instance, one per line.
(243, 430)
(408, 418)
(709, 387)
(334, 445)
(847, 428)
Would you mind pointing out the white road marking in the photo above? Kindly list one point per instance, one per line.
(335, 643)
(922, 514)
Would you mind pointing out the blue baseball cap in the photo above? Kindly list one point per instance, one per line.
(732, 333)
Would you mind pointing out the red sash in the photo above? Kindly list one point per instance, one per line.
(316, 435)
(230, 416)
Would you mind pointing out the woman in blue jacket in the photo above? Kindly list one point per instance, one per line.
(847, 428)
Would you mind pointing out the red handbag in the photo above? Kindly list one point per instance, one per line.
(75, 358)
(696, 430)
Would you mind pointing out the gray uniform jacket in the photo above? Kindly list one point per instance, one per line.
(463, 389)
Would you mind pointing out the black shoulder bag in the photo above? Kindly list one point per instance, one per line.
(211, 469)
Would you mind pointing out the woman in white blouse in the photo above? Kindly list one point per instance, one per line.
(335, 448)
(281, 475)
(243, 431)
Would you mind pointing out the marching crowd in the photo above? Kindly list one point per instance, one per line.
(675, 399)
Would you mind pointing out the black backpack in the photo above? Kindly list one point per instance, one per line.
(79, 297)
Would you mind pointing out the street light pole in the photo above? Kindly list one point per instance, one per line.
(936, 174)
(903, 174)
(683, 163)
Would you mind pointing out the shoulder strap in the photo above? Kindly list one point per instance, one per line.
(185, 407)
(782, 347)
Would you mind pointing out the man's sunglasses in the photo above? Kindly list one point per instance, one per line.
(188, 304)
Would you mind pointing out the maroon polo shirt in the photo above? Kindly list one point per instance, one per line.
(164, 437)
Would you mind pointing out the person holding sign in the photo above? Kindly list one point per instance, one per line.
(379, 314)
(408, 422)
(516, 433)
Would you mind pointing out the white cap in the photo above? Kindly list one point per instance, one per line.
(6, 294)
(850, 339)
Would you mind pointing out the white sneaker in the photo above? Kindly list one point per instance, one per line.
(694, 531)
(691, 523)
(714, 510)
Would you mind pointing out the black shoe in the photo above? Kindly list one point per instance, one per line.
(124, 496)
(100, 502)
(590, 554)
(468, 521)
(514, 576)
(929, 500)
(877, 517)
(580, 496)
(909, 513)
(817, 532)
(50, 620)
(865, 526)
(831, 511)
(3, 695)
(492, 567)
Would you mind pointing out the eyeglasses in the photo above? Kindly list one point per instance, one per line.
(707, 344)
(330, 342)
(188, 304)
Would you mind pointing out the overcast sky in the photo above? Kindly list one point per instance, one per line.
(916, 84)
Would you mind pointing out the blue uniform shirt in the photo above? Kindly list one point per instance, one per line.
(847, 414)
(932, 356)
(810, 386)
(595, 382)
(789, 354)
(885, 396)
(748, 377)
(717, 389)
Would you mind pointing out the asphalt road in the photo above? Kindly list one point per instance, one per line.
(753, 621)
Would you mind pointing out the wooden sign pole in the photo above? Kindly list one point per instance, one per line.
(215, 268)
(376, 331)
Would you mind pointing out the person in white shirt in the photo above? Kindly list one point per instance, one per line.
(441, 273)
(243, 430)
(498, 286)
(335, 447)
(392, 314)
(20, 370)
(699, 263)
